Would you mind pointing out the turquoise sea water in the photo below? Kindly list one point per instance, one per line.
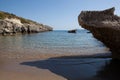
(58, 41)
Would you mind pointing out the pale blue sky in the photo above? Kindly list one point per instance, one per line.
(60, 14)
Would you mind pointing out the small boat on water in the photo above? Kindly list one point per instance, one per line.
(72, 31)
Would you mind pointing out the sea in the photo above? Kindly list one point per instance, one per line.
(54, 42)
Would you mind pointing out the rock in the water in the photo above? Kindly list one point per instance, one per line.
(105, 26)
(72, 31)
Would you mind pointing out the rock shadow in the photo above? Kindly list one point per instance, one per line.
(75, 68)
(110, 71)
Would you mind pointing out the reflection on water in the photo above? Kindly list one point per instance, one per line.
(53, 42)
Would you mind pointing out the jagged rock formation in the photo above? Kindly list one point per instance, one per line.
(12, 24)
(105, 26)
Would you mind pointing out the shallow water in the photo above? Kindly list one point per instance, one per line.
(57, 42)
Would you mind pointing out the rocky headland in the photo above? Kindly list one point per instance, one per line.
(105, 26)
(11, 24)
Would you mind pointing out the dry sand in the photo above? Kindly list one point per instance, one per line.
(11, 69)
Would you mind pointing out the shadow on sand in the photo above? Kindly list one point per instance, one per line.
(75, 68)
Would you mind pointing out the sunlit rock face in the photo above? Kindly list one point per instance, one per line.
(105, 26)
(12, 24)
(9, 26)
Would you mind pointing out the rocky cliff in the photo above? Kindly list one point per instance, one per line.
(105, 26)
(12, 24)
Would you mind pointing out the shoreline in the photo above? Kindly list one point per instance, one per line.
(32, 55)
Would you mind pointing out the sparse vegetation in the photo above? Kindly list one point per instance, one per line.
(4, 15)
(24, 20)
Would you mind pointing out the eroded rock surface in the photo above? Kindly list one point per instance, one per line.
(105, 26)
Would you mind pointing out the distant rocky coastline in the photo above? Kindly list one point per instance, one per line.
(105, 26)
(11, 24)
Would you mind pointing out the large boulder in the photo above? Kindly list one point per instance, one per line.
(105, 26)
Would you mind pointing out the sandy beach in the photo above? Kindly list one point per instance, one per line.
(12, 69)
(51, 67)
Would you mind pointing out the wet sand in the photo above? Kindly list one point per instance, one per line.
(57, 67)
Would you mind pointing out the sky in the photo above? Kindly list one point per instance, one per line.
(59, 14)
